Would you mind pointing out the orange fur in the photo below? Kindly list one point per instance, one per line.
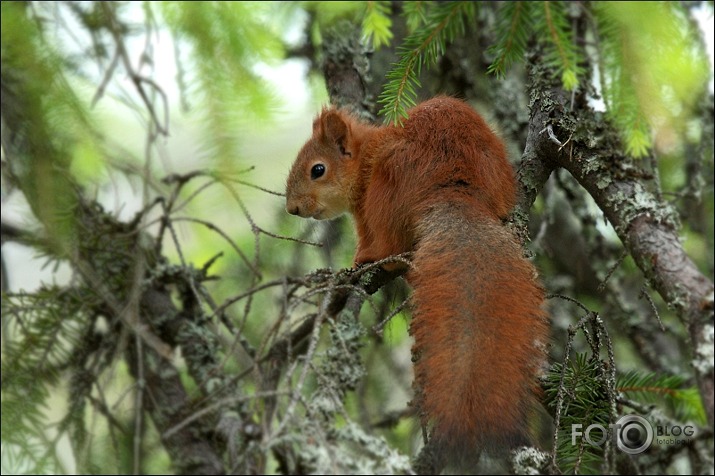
(439, 186)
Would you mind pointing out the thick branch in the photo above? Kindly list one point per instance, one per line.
(653, 241)
(165, 399)
(585, 145)
(346, 68)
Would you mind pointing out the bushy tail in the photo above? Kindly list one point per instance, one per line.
(479, 331)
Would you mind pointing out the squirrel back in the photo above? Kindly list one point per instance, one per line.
(440, 186)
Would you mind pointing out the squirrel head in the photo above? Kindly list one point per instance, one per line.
(324, 173)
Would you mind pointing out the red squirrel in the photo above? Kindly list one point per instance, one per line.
(440, 186)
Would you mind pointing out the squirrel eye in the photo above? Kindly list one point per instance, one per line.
(317, 171)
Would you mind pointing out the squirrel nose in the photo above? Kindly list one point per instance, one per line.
(293, 209)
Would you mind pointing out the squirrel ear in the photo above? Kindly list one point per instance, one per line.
(335, 129)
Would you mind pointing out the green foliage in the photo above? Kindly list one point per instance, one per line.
(651, 66)
(653, 69)
(651, 388)
(433, 25)
(513, 27)
(552, 27)
(60, 123)
(548, 23)
(414, 13)
(377, 24)
(49, 339)
(227, 40)
(46, 330)
(443, 22)
(586, 403)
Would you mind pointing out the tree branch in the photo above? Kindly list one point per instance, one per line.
(644, 223)
(108, 254)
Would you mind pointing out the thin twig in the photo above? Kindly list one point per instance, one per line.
(379, 327)
(644, 294)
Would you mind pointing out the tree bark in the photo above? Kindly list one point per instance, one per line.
(583, 143)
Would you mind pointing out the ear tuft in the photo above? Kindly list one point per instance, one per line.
(335, 128)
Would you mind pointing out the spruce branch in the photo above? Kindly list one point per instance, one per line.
(644, 223)
(443, 23)
(652, 70)
(514, 25)
(653, 388)
(377, 24)
(562, 52)
(414, 13)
